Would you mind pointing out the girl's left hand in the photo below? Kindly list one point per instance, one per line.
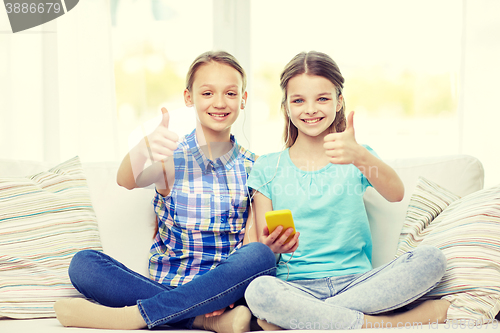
(279, 244)
(218, 312)
(342, 147)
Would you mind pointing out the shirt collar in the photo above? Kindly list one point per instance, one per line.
(227, 160)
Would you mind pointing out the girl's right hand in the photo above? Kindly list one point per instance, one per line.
(155, 147)
(162, 142)
(277, 244)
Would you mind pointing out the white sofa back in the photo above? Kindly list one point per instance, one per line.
(127, 221)
(460, 174)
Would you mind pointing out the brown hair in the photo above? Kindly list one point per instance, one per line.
(312, 63)
(221, 57)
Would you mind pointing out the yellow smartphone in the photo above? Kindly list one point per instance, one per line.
(282, 217)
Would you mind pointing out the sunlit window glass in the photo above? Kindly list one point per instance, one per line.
(400, 59)
(154, 42)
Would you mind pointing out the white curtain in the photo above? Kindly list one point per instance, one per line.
(57, 95)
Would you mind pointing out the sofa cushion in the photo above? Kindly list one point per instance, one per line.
(45, 219)
(460, 174)
(468, 233)
(426, 203)
(126, 217)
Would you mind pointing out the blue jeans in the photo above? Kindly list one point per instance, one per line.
(340, 302)
(105, 280)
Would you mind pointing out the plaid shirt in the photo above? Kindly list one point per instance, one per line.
(203, 218)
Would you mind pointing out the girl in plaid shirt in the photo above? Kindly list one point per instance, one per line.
(202, 260)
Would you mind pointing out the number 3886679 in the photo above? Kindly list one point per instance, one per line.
(39, 7)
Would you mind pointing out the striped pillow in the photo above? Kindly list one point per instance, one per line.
(468, 233)
(426, 203)
(44, 220)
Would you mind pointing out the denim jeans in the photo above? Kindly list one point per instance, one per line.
(105, 280)
(340, 302)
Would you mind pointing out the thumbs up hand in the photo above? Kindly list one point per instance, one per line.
(162, 142)
(342, 147)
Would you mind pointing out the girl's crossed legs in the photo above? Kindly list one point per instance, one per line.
(342, 302)
(135, 301)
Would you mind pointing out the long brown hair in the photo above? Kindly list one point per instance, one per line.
(312, 63)
(221, 57)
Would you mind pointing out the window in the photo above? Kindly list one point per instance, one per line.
(154, 43)
(400, 60)
(422, 75)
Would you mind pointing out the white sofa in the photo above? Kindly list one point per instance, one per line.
(126, 220)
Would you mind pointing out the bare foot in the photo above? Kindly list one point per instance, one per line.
(268, 326)
(78, 312)
(430, 311)
(236, 320)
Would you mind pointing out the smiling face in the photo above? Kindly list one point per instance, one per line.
(312, 104)
(217, 96)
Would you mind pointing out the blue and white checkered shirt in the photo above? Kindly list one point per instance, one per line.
(203, 218)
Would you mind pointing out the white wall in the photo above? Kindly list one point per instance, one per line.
(86, 96)
(57, 88)
(481, 89)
